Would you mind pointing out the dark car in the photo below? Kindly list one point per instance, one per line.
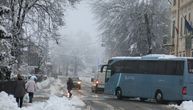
(76, 82)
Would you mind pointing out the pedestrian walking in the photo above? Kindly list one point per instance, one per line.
(69, 86)
(30, 87)
(19, 90)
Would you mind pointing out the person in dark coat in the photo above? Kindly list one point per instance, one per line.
(69, 86)
(19, 90)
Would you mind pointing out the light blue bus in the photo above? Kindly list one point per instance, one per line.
(155, 76)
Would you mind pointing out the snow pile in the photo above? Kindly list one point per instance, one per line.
(54, 103)
(186, 105)
(57, 88)
(7, 102)
(57, 103)
(54, 86)
(46, 83)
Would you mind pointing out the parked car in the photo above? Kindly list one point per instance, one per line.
(76, 82)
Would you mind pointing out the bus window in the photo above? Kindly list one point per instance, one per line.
(190, 66)
(180, 68)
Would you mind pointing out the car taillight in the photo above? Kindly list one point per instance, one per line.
(97, 82)
(184, 91)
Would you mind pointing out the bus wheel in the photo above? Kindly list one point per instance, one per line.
(119, 93)
(159, 97)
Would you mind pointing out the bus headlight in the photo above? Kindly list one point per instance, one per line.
(79, 82)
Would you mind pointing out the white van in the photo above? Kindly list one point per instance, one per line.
(98, 82)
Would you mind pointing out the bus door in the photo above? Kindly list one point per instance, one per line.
(189, 79)
(110, 81)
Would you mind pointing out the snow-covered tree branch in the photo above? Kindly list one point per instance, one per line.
(133, 27)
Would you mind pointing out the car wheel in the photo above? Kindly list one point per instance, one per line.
(119, 93)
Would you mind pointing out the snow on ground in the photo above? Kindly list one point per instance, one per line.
(186, 105)
(45, 83)
(53, 86)
(87, 80)
(8, 102)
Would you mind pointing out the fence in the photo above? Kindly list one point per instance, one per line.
(7, 86)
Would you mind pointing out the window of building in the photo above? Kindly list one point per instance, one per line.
(185, 30)
(181, 26)
(174, 2)
(173, 29)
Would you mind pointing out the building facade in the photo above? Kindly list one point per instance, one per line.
(181, 36)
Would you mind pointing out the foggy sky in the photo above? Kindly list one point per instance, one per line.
(79, 36)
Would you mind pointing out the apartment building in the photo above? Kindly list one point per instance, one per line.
(181, 27)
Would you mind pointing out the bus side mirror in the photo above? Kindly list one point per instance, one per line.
(92, 79)
(102, 67)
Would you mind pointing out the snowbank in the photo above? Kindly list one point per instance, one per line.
(57, 87)
(186, 105)
(46, 83)
(54, 103)
(57, 103)
(54, 86)
(7, 102)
